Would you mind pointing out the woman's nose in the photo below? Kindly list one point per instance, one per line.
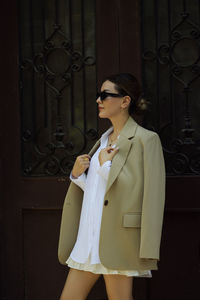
(98, 100)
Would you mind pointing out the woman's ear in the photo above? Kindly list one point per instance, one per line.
(126, 101)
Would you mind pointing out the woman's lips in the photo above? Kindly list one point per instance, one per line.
(100, 108)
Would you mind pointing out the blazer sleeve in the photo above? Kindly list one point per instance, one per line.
(153, 198)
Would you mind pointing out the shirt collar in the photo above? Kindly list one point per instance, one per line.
(105, 135)
(127, 130)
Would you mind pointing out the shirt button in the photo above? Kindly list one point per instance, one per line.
(106, 202)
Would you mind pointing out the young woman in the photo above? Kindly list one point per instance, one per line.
(112, 216)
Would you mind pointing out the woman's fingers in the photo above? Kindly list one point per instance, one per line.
(81, 164)
(85, 165)
(85, 156)
(113, 152)
(85, 160)
(111, 149)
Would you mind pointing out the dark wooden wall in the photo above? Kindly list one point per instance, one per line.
(31, 206)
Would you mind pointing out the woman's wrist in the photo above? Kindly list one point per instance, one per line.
(106, 161)
(75, 176)
(101, 162)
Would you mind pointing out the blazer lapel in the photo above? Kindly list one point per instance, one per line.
(94, 148)
(124, 143)
(118, 160)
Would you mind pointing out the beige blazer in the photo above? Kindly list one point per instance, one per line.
(133, 204)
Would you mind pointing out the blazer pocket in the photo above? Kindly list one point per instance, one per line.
(132, 220)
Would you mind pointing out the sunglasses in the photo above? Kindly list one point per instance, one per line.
(104, 95)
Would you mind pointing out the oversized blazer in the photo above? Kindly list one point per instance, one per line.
(133, 208)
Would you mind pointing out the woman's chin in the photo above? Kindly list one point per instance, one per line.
(102, 115)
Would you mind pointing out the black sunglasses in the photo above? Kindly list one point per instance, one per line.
(104, 95)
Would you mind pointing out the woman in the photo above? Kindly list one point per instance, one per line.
(117, 208)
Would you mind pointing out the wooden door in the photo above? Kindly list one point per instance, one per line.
(170, 70)
(48, 117)
(158, 41)
(54, 57)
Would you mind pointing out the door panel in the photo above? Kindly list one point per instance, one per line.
(48, 116)
(49, 73)
(169, 60)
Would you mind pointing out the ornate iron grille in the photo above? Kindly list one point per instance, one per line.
(171, 78)
(57, 83)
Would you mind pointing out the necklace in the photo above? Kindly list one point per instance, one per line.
(111, 141)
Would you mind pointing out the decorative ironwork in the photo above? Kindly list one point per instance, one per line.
(58, 121)
(171, 76)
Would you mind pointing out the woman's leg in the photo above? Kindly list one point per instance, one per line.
(119, 287)
(78, 284)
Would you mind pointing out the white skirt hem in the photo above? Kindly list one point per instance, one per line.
(100, 269)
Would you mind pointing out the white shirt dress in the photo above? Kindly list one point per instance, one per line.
(85, 254)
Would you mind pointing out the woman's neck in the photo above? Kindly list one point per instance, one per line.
(118, 123)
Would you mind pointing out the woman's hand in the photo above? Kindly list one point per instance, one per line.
(107, 154)
(82, 162)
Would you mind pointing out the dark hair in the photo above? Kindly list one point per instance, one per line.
(128, 85)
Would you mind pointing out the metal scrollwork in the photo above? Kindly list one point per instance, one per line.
(178, 60)
(54, 122)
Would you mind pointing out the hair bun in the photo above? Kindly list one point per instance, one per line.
(143, 104)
